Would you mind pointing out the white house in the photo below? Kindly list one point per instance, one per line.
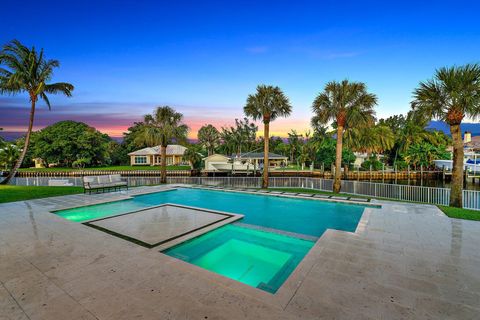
(152, 156)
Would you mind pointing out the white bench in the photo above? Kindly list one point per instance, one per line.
(104, 182)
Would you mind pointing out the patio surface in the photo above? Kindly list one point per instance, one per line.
(163, 223)
(405, 261)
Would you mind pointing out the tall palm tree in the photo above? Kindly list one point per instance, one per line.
(452, 95)
(370, 139)
(349, 105)
(267, 104)
(162, 127)
(24, 69)
(209, 137)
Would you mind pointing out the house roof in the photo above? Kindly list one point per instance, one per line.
(474, 144)
(259, 155)
(172, 149)
(216, 155)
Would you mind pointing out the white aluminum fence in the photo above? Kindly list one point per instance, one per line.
(439, 196)
(471, 199)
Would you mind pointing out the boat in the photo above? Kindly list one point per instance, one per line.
(236, 166)
(471, 163)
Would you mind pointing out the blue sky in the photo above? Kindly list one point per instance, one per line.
(204, 58)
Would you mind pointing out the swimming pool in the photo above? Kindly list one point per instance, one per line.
(262, 251)
(308, 217)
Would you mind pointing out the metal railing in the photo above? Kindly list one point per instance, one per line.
(438, 196)
(471, 199)
(432, 195)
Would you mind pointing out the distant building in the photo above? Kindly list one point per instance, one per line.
(473, 144)
(244, 162)
(467, 137)
(152, 156)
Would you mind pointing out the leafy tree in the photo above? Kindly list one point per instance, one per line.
(162, 128)
(294, 142)
(326, 154)
(193, 157)
(239, 138)
(209, 137)
(349, 105)
(451, 95)
(24, 69)
(8, 155)
(372, 162)
(267, 104)
(130, 142)
(117, 153)
(423, 154)
(65, 142)
(371, 139)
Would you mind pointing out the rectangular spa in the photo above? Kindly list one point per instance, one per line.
(261, 250)
(260, 259)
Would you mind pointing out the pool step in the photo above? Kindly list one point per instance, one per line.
(277, 231)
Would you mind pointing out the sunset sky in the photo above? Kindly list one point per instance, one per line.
(204, 57)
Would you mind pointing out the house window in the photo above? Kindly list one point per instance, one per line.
(140, 160)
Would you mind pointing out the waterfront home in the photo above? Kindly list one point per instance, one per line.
(152, 156)
(244, 162)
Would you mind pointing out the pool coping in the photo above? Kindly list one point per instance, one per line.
(170, 242)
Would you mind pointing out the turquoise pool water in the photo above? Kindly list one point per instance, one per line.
(260, 259)
(308, 217)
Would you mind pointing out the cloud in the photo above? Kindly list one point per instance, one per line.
(115, 118)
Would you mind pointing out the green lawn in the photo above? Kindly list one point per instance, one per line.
(460, 213)
(17, 193)
(122, 168)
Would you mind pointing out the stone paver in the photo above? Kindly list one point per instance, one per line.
(405, 261)
(157, 225)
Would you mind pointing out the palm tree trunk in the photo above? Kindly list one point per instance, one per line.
(457, 171)
(266, 141)
(163, 166)
(19, 162)
(338, 160)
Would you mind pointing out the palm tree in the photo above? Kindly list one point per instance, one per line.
(209, 137)
(268, 103)
(293, 143)
(371, 139)
(193, 157)
(8, 156)
(24, 69)
(452, 95)
(349, 105)
(162, 128)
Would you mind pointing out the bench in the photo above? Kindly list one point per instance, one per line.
(104, 182)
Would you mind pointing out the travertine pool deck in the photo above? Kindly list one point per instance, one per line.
(405, 261)
(161, 224)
